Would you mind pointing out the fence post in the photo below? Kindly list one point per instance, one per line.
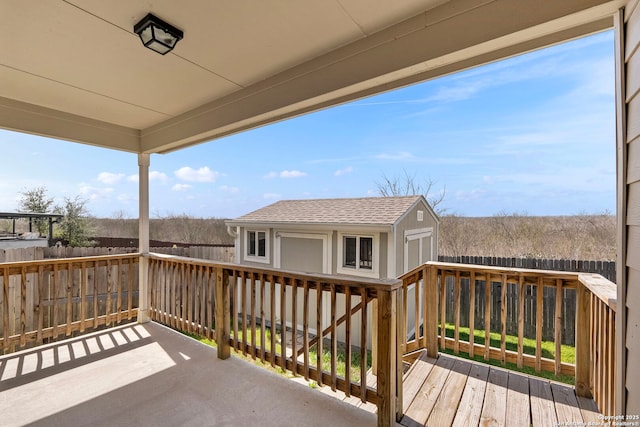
(387, 351)
(222, 313)
(430, 326)
(583, 341)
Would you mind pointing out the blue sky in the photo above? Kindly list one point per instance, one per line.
(532, 134)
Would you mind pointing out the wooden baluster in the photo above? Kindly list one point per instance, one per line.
(443, 310)
(5, 310)
(119, 292)
(212, 303)
(363, 344)
(243, 289)
(223, 313)
(487, 316)
(273, 320)
(503, 320)
(283, 324)
(334, 341)
(69, 319)
(456, 311)
(55, 302)
(263, 319)
(583, 341)
(130, 289)
(305, 327)
(319, 343)
(347, 341)
(23, 307)
(253, 316)
(294, 326)
(558, 327)
(472, 313)
(41, 291)
(520, 320)
(430, 279)
(539, 302)
(108, 309)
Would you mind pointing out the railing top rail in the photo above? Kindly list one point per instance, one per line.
(382, 284)
(74, 260)
(601, 287)
(598, 285)
(551, 274)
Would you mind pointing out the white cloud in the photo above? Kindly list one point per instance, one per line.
(109, 178)
(229, 189)
(271, 196)
(203, 174)
(94, 193)
(158, 176)
(133, 178)
(344, 171)
(271, 175)
(292, 174)
(181, 187)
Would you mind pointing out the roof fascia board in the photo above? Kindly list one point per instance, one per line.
(29, 118)
(311, 226)
(399, 52)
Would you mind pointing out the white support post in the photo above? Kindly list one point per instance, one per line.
(143, 237)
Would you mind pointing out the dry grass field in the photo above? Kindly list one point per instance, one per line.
(581, 237)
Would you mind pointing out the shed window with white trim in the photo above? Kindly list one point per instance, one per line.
(256, 245)
(358, 252)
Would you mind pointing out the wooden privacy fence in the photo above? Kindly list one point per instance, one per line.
(530, 309)
(214, 253)
(289, 320)
(606, 269)
(425, 290)
(45, 299)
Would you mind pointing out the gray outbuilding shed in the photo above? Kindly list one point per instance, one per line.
(375, 237)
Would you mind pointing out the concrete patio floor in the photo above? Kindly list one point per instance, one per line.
(151, 375)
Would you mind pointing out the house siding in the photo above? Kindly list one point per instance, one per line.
(629, 204)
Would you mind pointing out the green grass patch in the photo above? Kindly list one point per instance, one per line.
(341, 365)
(568, 353)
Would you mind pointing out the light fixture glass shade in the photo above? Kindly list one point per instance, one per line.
(157, 35)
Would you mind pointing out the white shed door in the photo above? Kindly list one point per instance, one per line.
(418, 247)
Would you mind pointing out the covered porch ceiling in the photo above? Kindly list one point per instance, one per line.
(75, 70)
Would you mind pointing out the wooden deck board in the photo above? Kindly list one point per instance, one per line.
(418, 412)
(472, 399)
(495, 399)
(446, 406)
(415, 377)
(566, 403)
(451, 391)
(543, 411)
(589, 410)
(518, 401)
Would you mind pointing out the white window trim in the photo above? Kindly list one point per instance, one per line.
(374, 272)
(254, 258)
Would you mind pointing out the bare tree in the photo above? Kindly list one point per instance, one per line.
(407, 186)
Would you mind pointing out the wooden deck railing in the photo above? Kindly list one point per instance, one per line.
(42, 300)
(593, 369)
(288, 320)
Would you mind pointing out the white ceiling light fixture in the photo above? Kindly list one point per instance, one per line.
(157, 34)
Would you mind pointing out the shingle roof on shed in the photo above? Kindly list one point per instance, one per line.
(364, 211)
